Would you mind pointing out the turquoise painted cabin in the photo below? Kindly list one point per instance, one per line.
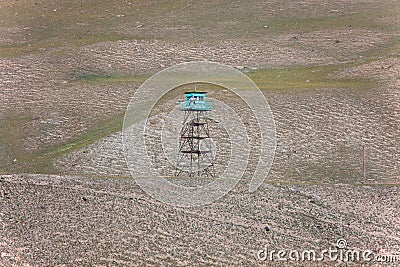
(196, 101)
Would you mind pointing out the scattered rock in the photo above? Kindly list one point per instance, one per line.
(243, 69)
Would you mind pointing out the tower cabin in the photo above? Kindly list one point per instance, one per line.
(195, 101)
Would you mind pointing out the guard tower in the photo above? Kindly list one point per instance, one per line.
(195, 152)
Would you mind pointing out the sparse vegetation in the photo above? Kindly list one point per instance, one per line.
(308, 77)
(68, 69)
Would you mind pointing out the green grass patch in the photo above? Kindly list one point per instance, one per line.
(11, 135)
(49, 41)
(267, 79)
(364, 19)
(308, 77)
(42, 161)
(112, 79)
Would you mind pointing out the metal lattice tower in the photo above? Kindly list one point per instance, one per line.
(195, 155)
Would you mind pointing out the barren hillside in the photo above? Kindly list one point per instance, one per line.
(68, 69)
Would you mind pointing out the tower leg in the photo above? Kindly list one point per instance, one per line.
(192, 157)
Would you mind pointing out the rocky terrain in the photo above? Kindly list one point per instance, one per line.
(75, 221)
(68, 69)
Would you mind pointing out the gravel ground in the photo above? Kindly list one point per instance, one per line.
(75, 221)
(62, 74)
